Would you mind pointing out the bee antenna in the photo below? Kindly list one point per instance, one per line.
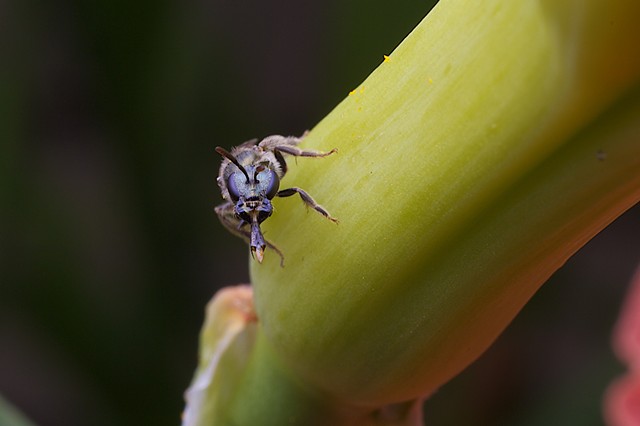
(226, 154)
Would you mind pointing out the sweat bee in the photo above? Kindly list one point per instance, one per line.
(249, 179)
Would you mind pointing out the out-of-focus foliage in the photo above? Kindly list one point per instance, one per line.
(9, 416)
(109, 247)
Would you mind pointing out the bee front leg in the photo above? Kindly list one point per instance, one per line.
(230, 221)
(308, 200)
(277, 250)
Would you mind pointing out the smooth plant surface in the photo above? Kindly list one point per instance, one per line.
(492, 144)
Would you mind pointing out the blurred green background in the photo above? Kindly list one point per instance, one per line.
(109, 246)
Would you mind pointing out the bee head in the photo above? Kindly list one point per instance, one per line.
(263, 183)
(252, 188)
(254, 181)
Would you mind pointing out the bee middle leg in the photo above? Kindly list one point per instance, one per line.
(289, 145)
(297, 152)
(308, 200)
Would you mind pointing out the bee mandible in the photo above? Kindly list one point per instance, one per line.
(249, 179)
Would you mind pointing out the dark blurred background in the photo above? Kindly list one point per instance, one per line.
(109, 246)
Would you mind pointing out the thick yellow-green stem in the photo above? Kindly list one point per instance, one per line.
(494, 142)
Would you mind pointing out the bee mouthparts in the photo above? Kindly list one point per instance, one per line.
(257, 242)
(257, 253)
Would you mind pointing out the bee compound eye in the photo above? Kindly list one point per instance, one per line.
(273, 185)
(232, 186)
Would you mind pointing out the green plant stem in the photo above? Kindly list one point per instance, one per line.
(468, 172)
(497, 139)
